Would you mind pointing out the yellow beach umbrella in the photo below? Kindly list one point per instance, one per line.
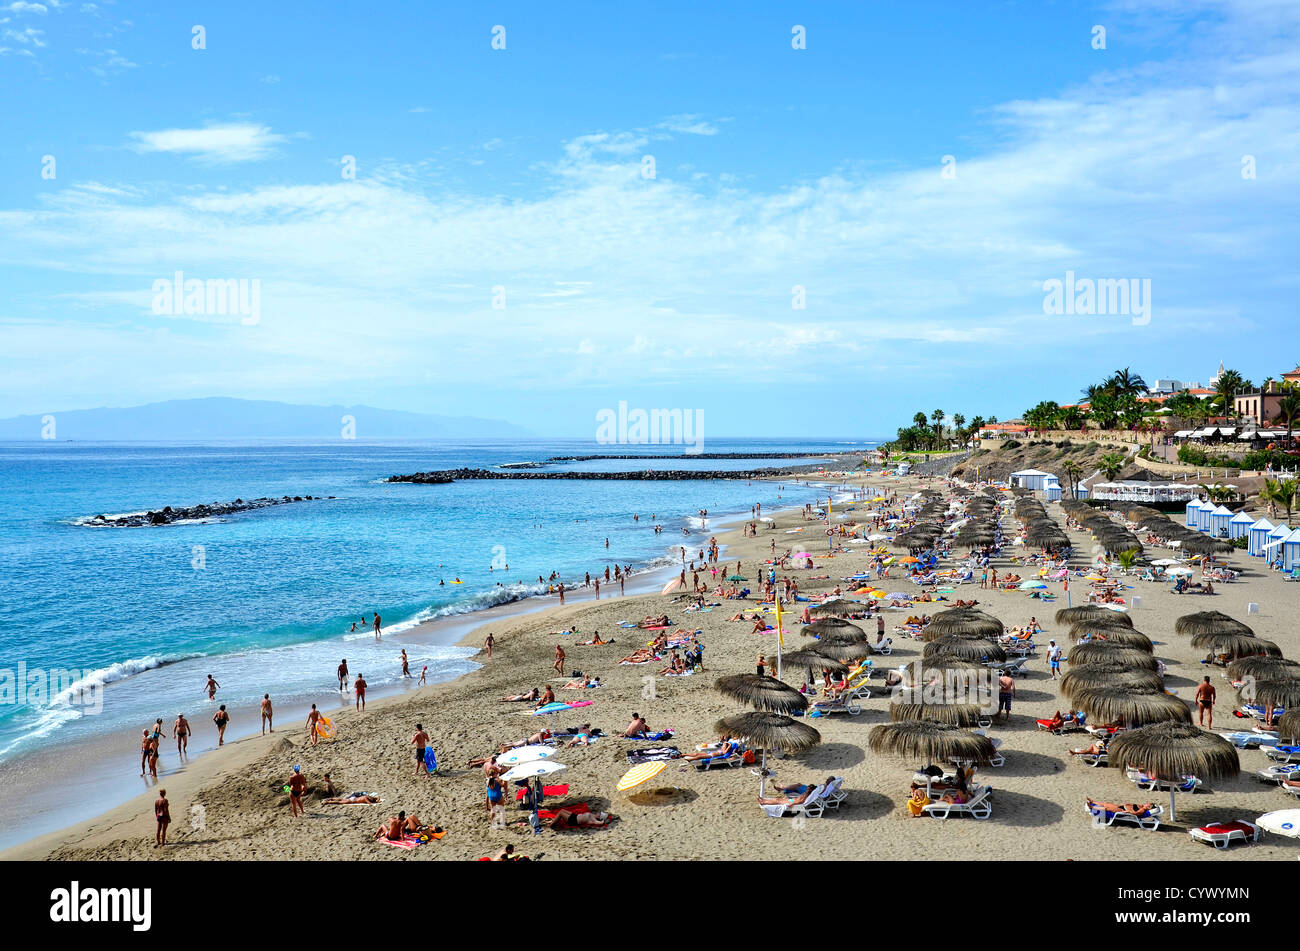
(641, 773)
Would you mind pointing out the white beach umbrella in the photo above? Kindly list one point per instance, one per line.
(537, 767)
(526, 754)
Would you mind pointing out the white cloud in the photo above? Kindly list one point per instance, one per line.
(21, 7)
(231, 142)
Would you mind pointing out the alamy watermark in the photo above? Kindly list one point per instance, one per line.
(56, 686)
(215, 297)
(640, 427)
(1122, 297)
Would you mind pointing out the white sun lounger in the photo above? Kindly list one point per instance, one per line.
(1221, 834)
(1150, 820)
(1278, 773)
(979, 806)
(1245, 739)
(1188, 784)
(842, 704)
(812, 807)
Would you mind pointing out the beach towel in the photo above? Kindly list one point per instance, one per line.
(407, 841)
(576, 808)
(546, 791)
(653, 755)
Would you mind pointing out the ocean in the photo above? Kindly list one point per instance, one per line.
(265, 600)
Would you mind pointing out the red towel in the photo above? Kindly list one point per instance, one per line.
(546, 791)
(574, 809)
(1236, 825)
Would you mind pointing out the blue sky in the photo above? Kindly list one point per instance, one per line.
(522, 169)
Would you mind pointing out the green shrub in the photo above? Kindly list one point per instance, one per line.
(1011, 444)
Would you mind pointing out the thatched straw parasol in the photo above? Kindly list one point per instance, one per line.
(965, 648)
(831, 625)
(953, 714)
(841, 646)
(1272, 693)
(926, 740)
(1263, 668)
(1111, 704)
(1090, 676)
(1112, 634)
(945, 666)
(1203, 545)
(1087, 611)
(811, 659)
(1288, 726)
(769, 731)
(1210, 622)
(1236, 645)
(836, 606)
(1108, 653)
(970, 622)
(762, 693)
(1170, 751)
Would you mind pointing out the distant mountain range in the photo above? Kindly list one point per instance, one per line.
(224, 418)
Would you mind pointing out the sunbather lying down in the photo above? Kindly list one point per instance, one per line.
(641, 656)
(353, 799)
(572, 819)
(794, 794)
(1129, 808)
(1095, 750)
(529, 697)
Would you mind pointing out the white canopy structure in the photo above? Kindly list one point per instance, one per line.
(1291, 552)
(1257, 537)
(1239, 525)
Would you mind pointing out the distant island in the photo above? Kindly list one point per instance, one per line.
(226, 418)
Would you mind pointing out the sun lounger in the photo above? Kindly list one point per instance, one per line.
(885, 647)
(1221, 834)
(1095, 759)
(1014, 667)
(1020, 648)
(1279, 773)
(1245, 739)
(841, 704)
(979, 806)
(735, 758)
(834, 795)
(812, 807)
(1188, 784)
(1149, 820)
(1293, 791)
(1283, 754)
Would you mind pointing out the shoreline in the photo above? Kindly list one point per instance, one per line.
(109, 759)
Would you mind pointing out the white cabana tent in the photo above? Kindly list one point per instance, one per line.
(1239, 525)
(1034, 479)
(1203, 516)
(1193, 509)
(1220, 516)
(1272, 547)
(1291, 551)
(1257, 537)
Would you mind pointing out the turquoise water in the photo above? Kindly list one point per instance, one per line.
(264, 600)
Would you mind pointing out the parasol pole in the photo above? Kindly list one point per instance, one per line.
(1172, 816)
(762, 775)
(780, 639)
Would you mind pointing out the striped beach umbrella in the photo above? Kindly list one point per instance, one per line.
(641, 773)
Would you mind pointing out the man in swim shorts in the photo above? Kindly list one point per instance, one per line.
(181, 731)
(359, 685)
(343, 674)
(1205, 696)
(313, 725)
(420, 741)
(1006, 692)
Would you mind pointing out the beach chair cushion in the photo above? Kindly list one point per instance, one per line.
(1221, 834)
(1149, 820)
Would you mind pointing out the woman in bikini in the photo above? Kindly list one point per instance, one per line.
(221, 718)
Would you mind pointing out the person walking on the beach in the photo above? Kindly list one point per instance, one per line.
(1006, 693)
(181, 731)
(1205, 696)
(221, 718)
(1054, 658)
(145, 745)
(266, 714)
(359, 685)
(211, 687)
(490, 643)
(343, 674)
(406, 664)
(297, 786)
(420, 741)
(561, 593)
(423, 675)
(559, 659)
(163, 814)
(313, 721)
(153, 755)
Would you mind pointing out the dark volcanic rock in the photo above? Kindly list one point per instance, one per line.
(166, 515)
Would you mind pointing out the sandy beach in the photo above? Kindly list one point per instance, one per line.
(230, 804)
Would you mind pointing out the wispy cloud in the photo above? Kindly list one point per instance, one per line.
(231, 142)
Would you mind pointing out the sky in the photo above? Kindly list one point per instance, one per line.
(666, 205)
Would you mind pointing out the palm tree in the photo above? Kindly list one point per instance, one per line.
(958, 425)
(1288, 410)
(1111, 464)
(936, 419)
(1073, 473)
(1227, 386)
(1280, 492)
(1125, 383)
(1127, 558)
